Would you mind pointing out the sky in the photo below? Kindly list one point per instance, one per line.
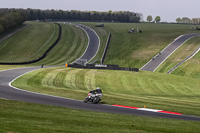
(168, 10)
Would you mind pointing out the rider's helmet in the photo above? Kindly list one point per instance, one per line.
(98, 88)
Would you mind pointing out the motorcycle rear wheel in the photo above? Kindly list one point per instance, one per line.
(96, 100)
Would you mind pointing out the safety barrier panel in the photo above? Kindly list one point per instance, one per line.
(105, 67)
(106, 49)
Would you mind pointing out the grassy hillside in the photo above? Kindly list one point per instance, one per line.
(190, 68)
(155, 90)
(71, 46)
(28, 44)
(134, 50)
(32, 42)
(19, 117)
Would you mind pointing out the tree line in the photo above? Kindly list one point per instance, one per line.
(11, 19)
(187, 20)
(75, 15)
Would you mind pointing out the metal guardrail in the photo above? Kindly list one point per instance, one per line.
(106, 49)
(187, 58)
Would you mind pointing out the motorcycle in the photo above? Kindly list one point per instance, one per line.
(93, 98)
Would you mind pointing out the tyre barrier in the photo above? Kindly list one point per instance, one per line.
(104, 67)
(41, 57)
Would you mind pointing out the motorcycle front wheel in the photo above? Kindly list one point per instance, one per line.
(86, 99)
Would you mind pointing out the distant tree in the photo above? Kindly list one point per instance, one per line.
(140, 15)
(157, 19)
(186, 20)
(196, 20)
(149, 18)
(178, 20)
(11, 18)
(134, 19)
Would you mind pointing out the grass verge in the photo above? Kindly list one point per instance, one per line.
(6, 67)
(20, 117)
(154, 90)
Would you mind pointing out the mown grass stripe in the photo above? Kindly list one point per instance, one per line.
(126, 88)
(89, 80)
(11, 49)
(70, 78)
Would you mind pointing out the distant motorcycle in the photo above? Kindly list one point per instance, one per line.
(93, 98)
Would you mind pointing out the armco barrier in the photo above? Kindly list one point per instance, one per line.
(104, 67)
(106, 49)
(187, 58)
(41, 57)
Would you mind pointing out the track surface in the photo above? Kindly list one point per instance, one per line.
(156, 61)
(94, 43)
(11, 93)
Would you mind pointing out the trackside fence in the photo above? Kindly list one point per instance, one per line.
(106, 49)
(104, 67)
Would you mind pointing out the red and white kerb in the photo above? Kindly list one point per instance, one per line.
(151, 110)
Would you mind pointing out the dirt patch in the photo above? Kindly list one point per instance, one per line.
(184, 52)
(145, 53)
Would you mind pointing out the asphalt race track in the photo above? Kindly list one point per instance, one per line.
(93, 45)
(8, 92)
(156, 61)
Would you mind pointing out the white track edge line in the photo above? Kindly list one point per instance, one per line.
(98, 46)
(173, 52)
(10, 84)
(163, 50)
(87, 45)
(89, 42)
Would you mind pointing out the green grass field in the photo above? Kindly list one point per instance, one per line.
(190, 68)
(32, 42)
(6, 67)
(71, 46)
(19, 117)
(28, 44)
(154, 90)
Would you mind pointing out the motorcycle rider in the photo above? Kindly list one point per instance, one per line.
(98, 90)
(94, 92)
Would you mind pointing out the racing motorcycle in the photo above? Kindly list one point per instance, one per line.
(93, 98)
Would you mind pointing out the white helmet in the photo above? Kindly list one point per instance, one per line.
(98, 88)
